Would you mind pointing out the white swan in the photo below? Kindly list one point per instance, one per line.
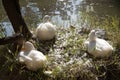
(98, 47)
(46, 30)
(32, 58)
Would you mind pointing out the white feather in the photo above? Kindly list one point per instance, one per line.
(32, 58)
(98, 47)
(46, 30)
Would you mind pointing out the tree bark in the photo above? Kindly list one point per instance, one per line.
(12, 9)
(15, 38)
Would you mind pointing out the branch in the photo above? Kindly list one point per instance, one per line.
(11, 39)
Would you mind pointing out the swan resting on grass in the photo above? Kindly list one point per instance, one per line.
(46, 30)
(97, 47)
(32, 58)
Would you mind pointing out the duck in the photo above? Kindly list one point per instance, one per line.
(32, 58)
(46, 30)
(96, 46)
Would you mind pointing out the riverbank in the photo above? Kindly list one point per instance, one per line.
(67, 58)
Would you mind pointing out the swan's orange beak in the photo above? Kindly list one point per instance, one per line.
(22, 49)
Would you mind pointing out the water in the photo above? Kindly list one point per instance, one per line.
(7, 31)
(63, 12)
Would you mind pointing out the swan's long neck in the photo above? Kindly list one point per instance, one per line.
(92, 36)
(26, 58)
(46, 19)
(28, 46)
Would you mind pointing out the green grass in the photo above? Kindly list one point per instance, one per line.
(1, 32)
(66, 56)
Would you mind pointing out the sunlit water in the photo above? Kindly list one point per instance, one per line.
(63, 12)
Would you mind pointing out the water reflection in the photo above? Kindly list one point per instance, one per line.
(65, 12)
(7, 28)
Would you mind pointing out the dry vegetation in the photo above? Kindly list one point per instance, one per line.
(67, 57)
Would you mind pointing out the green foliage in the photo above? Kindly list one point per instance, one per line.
(2, 32)
(65, 54)
(106, 69)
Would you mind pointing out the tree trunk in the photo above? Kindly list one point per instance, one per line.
(12, 9)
